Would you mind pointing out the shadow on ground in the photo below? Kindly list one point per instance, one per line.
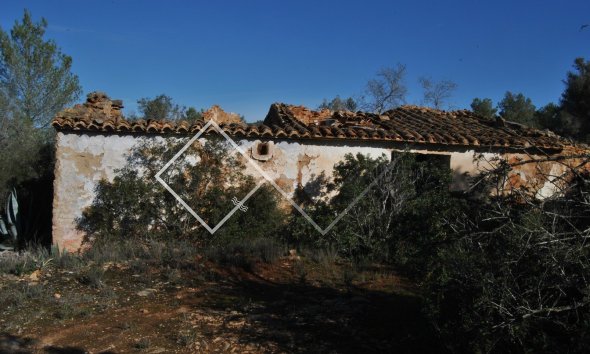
(304, 318)
(11, 344)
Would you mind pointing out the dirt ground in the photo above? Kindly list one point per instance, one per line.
(286, 307)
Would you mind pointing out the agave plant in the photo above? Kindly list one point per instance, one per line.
(10, 222)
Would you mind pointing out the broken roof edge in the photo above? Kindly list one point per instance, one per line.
(406, 125)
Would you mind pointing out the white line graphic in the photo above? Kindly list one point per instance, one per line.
(323, 231)
(239, 205)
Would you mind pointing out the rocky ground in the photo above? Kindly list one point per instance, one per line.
(292, 305)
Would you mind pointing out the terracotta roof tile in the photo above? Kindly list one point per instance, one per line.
(409, 124)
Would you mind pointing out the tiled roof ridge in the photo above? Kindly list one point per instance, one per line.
(406, 124)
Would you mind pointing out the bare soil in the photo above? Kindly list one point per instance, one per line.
(287, 307)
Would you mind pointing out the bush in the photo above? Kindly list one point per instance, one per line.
(500, 272)
(393, 222)
(135, 207)
(514, 277)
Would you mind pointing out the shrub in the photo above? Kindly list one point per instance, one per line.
(500, 272)
(514, 277)
(92, 276)
(399, 215)
(134, 207)
(18, 295)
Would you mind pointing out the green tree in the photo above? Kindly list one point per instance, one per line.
(35, 76)
(160, 107)
(339, 104)
(192, 115)
(515, 107)
(575, 100)
(483, 107)
(551, 117)
(35, 83)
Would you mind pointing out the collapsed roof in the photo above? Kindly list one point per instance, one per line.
(405, 124)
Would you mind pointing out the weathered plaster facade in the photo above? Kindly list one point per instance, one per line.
(97, 142)
(84, 159)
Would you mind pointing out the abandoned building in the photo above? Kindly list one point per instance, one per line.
(293, 144)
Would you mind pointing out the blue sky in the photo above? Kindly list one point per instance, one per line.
(244, 55)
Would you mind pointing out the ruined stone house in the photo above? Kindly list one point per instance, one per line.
(295, 143)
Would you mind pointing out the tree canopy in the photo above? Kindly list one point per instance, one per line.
(35, 76)
(164, 107)
(36, 82)
(575, 100)
(483, 107)
(516, 107)
(160, 107)
(339, 104)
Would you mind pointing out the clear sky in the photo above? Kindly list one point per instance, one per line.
(244, 55)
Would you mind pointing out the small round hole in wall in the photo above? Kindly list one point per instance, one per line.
(262, 151)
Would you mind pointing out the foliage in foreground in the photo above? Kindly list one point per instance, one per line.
(409, 201)
(514, 276)
(499, 274)
(508, 273)
(134, 206)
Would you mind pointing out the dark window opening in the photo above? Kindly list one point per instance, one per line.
(428, 170)
(437, 160)
(440, 161)
(262, 149)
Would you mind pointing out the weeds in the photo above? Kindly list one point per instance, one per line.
(92, 277)
(143, 343)
(186, 337)
(16, 265)
(300, 272)
(172, 276)
(323, 256)
(17, 295)
(230, 256)
(139, 266)
(245, 253)
(349, 274)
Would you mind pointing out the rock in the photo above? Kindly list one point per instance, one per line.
(35, 275)
(57, 296)
(146, 292)
(293, 255)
